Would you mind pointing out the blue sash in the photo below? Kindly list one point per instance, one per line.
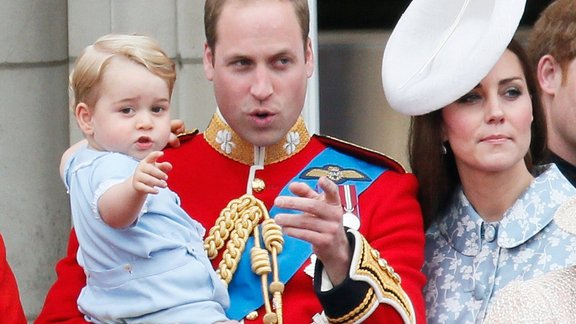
(245, 289)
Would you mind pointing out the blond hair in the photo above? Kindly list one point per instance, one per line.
(93, 60)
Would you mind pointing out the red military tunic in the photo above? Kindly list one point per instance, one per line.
(211, 170)
(10, 306)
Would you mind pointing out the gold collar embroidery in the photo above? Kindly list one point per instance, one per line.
(223, 139)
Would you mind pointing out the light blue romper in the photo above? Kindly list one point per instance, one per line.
(155, 271)
(468, 260)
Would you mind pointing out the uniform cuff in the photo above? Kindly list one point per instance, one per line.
(370, 282)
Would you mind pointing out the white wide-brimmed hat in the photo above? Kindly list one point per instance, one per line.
(441, 49)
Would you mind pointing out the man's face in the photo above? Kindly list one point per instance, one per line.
(259, 68)
(562, 115)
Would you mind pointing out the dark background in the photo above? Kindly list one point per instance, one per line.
(383, 14)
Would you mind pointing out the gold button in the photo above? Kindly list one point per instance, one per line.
(258, 185)
(252, 315)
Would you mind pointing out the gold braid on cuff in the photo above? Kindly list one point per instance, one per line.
(233, 226)
(368, 266)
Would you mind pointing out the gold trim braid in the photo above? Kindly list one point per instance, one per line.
(227, 142)
(235, 223)
(367, 266)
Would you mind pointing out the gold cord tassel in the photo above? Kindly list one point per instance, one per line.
(234, 224)
(272, 234)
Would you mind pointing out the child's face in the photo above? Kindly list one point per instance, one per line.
(131, 114)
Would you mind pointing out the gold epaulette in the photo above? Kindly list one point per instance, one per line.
(363, 153)
(369, 267)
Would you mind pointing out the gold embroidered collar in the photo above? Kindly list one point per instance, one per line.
(223, 139)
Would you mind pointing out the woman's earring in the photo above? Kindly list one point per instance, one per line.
(443, 149)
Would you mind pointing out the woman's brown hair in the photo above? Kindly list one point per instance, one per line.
(436, 170)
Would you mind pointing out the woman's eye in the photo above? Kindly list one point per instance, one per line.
(469, 98)
(513, 92)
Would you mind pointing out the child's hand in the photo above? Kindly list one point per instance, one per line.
(151, 174)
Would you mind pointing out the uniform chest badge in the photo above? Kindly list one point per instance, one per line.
(334, 173)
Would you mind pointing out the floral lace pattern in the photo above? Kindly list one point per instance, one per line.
(548, 299)
(468, 260)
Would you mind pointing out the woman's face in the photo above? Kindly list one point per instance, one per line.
(489, 128)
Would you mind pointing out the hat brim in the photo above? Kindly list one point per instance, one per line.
(441, 49)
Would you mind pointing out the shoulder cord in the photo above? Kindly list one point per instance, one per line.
(235, 223)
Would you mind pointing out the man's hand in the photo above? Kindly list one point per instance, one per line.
(176, 127)
(151, 174)
(319, 223)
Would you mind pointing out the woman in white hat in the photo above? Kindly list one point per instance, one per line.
(489, 211)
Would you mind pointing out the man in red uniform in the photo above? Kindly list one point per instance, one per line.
(353, 246)
(10, 306)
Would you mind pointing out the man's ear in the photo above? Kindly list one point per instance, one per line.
(309, 57)
(208, 60)
(84, 115)
(549, 74)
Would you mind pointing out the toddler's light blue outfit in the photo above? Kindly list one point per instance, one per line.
(156, 270)
(468, 260)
